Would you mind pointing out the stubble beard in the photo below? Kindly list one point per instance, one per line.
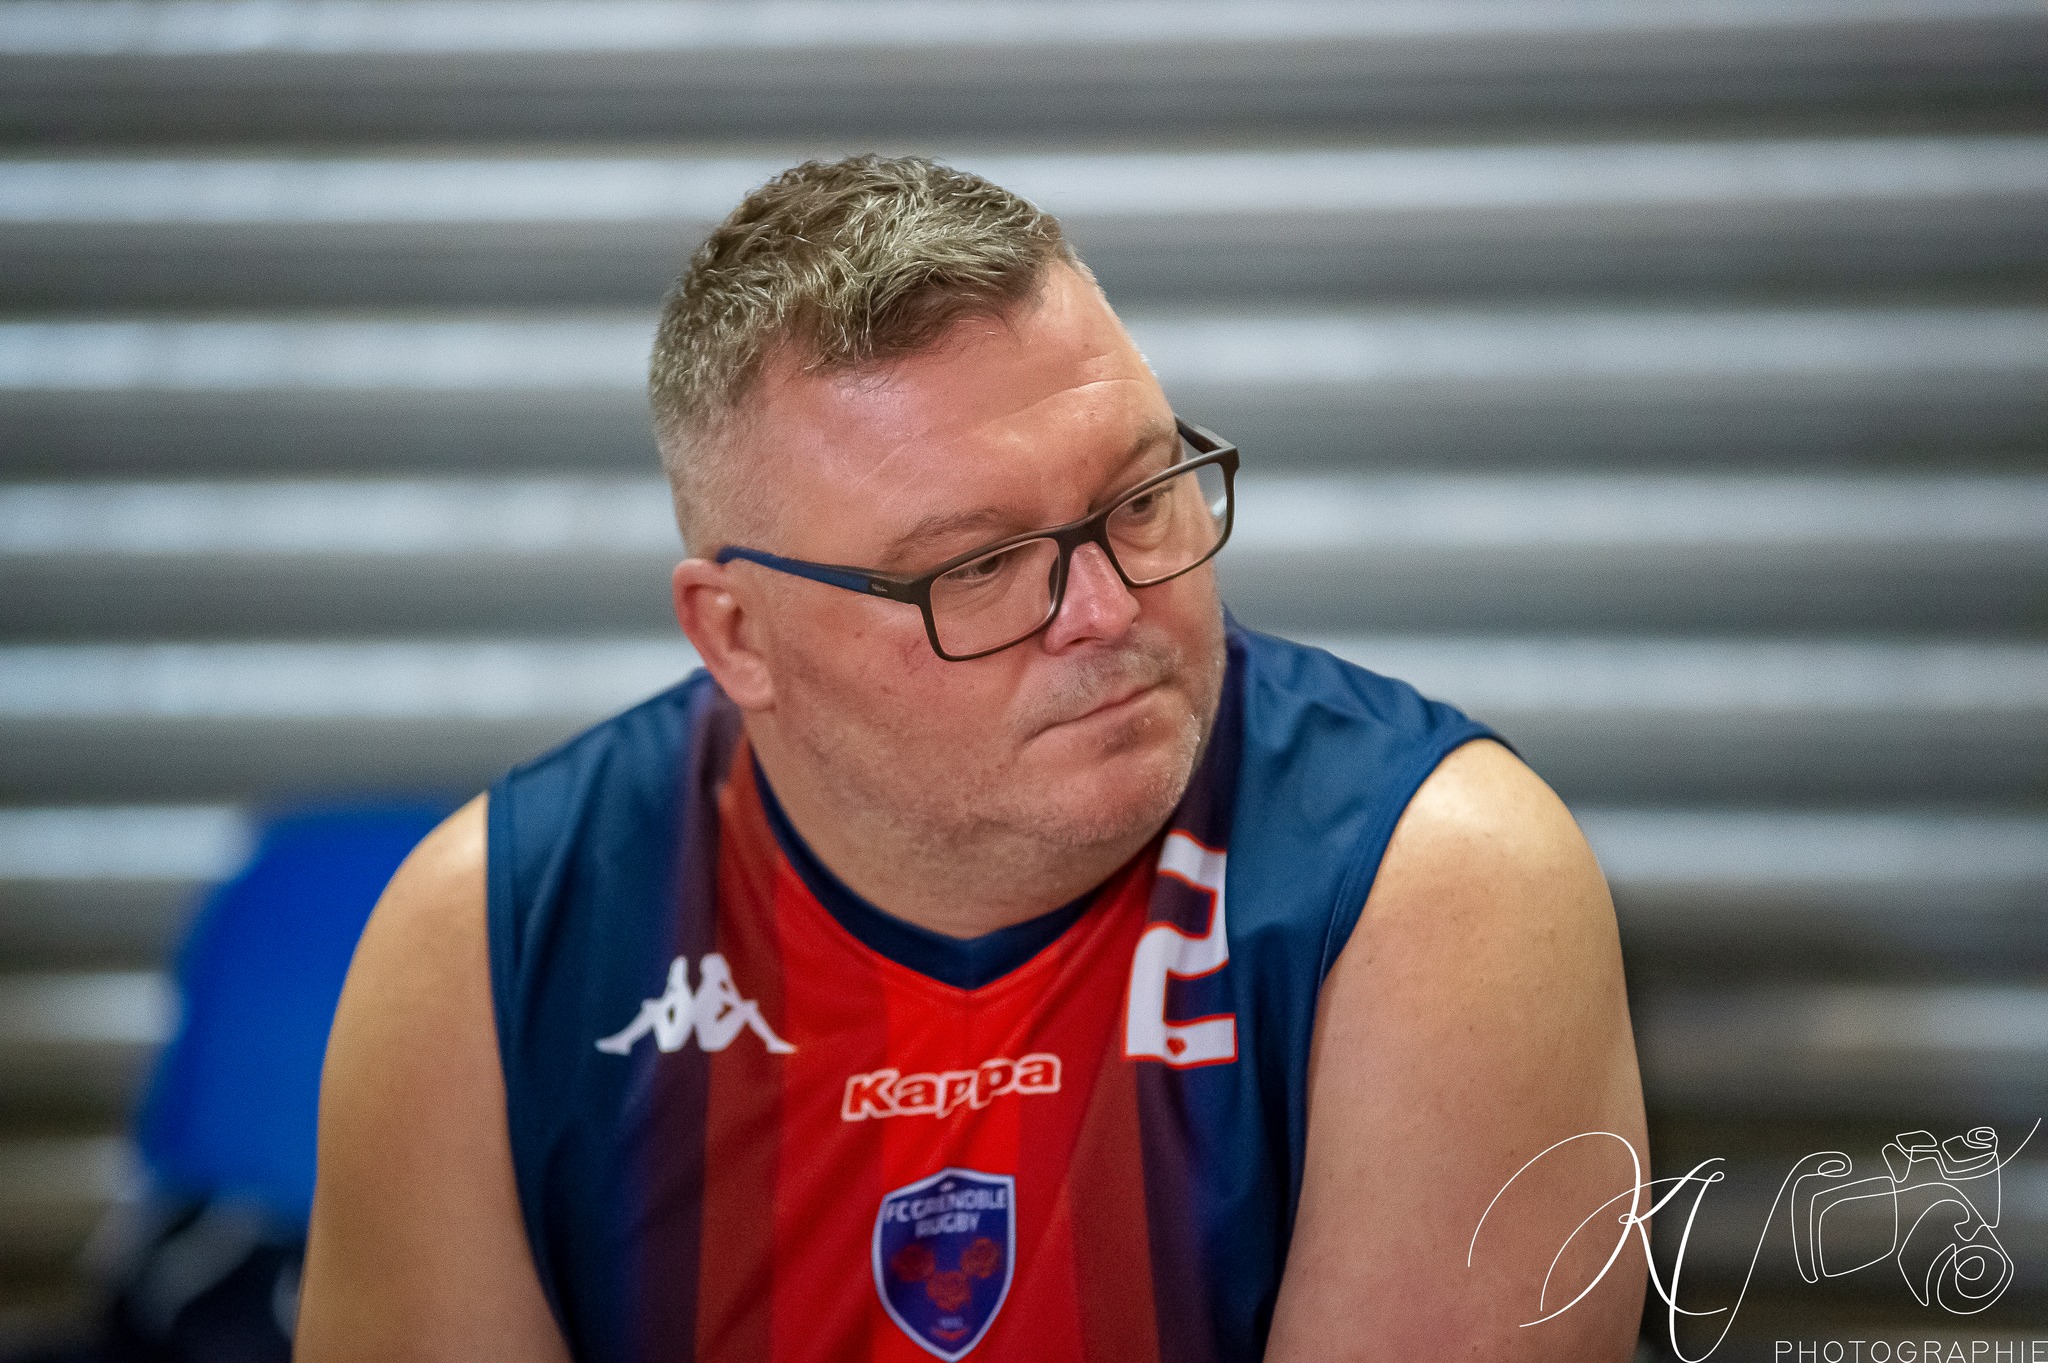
(1005, 817)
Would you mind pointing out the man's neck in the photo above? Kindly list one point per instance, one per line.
(962, 887)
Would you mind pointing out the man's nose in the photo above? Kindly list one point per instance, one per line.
(1097, 605)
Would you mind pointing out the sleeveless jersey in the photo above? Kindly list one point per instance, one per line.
(754, 1118)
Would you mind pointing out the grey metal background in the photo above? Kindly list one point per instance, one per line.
(1664, 382)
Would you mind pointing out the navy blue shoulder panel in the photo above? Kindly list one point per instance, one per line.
(592, 848)
(1328, 756)
(1332, 754)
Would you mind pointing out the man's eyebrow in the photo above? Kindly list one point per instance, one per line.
(1154, 435)
(937, 524)
(941, 523)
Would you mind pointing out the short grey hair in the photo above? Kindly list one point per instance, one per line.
(831, 265)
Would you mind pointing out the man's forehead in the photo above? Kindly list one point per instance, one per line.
(944, 512)
(1058, 373)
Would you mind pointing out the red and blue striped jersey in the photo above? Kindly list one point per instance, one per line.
(753, 1117)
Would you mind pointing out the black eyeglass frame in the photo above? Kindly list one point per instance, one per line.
(1090, 529)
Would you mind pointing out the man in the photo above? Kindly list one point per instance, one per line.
(998, 954)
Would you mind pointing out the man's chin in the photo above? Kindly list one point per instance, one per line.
(1122, 794)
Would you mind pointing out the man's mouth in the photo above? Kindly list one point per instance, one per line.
(1108, 688)
(1113, 704)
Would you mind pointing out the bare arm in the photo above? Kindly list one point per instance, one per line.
(1476, 1016)
(417, 1250)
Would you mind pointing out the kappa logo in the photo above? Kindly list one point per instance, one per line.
(715, 1012)
(890, 1093)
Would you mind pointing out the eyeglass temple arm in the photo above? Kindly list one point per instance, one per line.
(851, 579)
(1202, 438)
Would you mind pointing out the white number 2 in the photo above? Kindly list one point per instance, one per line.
(1164, 950)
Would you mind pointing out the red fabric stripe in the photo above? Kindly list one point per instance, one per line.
(744, 1114)
(1092, 1261)
(1112, 1259)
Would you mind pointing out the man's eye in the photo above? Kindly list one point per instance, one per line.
(983, 569)
(1144, 513)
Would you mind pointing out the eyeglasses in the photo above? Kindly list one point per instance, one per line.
(987, 599)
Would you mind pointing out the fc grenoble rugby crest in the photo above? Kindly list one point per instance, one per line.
(945, 1249)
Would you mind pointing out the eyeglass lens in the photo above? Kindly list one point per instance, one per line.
(1156, 534)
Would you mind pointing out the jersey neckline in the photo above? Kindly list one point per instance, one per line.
(962, 962)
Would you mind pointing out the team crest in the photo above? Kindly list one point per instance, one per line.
(945, 1250)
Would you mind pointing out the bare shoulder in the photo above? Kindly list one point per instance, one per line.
(431, 918)
(1476, 1017)
(417, 1249)
(1485, 844)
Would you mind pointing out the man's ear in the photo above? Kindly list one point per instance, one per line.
(717, 620)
